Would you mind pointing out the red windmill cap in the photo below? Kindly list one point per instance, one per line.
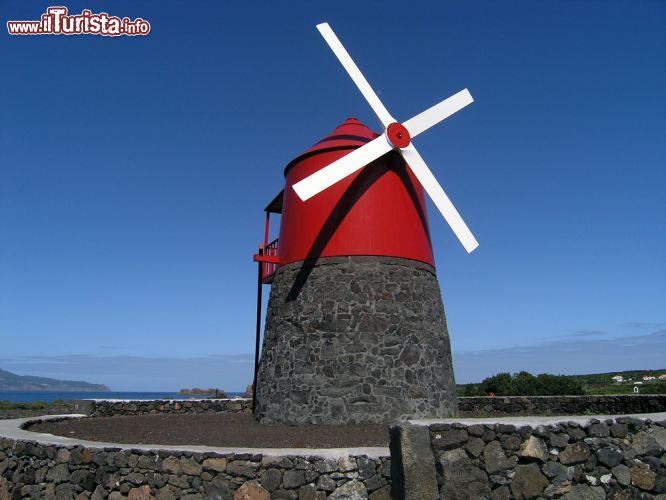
(351, 134)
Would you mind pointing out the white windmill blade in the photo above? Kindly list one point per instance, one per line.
(345, 59)
(437, 113)
(439, 198)
(341, 168)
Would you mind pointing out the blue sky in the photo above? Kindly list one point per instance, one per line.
(134, 170)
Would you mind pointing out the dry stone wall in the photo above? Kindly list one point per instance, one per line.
(620, 458)
(111, 408)
(38, 471)
(500, 406)
(468, 406)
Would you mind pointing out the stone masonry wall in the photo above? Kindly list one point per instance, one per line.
(39, 471)
(355, 340)
(617, 458)
(109, 408)
(620, 458)
(468, 406)
(561, 405)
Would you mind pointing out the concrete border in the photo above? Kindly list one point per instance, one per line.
(13, 429)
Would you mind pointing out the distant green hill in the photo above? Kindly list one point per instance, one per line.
(599, 383)
(602, 383)
(12, 382)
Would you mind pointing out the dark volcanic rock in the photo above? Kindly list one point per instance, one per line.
(449, 439)
(575, 453)
(528, 481)
(416, 463)
(464, 480)
(355, 340)
(609, 457)
(495, 458)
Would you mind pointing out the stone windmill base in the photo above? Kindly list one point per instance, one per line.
(355, 340)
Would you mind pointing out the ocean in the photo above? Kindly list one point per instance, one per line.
(50, 396)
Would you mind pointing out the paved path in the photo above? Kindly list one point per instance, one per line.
(12, 429)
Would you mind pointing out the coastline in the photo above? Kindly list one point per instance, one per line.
(51, 396)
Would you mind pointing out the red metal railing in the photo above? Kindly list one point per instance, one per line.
(268, 256)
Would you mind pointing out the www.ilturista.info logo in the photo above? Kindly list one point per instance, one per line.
(56, 21)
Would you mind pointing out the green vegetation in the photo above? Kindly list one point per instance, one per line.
(36, 405)
(602, 383)
(33, 405)
(9, 409)
(526, 384)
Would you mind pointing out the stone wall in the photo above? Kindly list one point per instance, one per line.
(577, 458)
(109, 408)
(468, 406)
(32, 470)
(618, 458)
(561, 405)
(355, 340)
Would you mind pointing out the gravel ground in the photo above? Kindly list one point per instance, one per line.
(223, 429)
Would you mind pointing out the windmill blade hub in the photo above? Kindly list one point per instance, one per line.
(398, 135)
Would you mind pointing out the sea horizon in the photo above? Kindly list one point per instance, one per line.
(51, 396)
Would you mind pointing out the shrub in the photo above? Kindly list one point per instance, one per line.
(525, 384)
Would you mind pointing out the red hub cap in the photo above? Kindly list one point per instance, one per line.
(398, 135)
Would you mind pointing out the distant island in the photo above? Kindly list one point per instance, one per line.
(206, 393)
(12, 382)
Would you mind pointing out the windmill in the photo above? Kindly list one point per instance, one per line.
(355, 328)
